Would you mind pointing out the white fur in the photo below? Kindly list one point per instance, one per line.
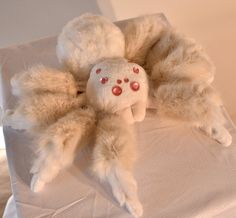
(86, 40)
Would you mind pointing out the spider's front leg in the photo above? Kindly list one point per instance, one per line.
(113, 158)
(58, 145)
(44, 79)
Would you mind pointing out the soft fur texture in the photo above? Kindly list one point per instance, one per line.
(55, 90)
(114, 156)
(141, 34)
(180, 75)
(33, 81)
(87, 40)
(58, 145)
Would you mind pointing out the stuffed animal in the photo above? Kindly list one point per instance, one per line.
(64, 114)
(104, 88)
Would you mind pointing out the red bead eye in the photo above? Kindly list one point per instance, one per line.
(116, 90)
(126, 80)
(134, 86)
(119, 81)
(103, 80)
(98, 70)
(135, 70)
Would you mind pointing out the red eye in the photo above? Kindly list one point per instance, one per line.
(98, 71)
(119, 81)
(134, 86)
(103, 80)
(116, 90)
(135, 70)
(126, 80)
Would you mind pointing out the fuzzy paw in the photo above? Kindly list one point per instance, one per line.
(222, 135)
(218, 133)
(36, 185)
(134, 207)
(130, 201)
(120, 196)
(124, 188)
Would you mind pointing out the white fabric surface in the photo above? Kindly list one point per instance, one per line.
(10, 209)
(180, 172)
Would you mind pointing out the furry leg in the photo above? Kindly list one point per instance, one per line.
(41, 110)
(201, 108)
(113, 158)
(42, 79)
(58, 145)
(180, 77)
(141, 34)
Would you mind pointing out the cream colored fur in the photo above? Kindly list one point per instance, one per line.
(87, 40)
(113, 159)
(33, 80)
(31, 115)
(59, 143)
(141, 34)
(180, 76)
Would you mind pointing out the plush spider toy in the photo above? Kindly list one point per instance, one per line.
(104, 89)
